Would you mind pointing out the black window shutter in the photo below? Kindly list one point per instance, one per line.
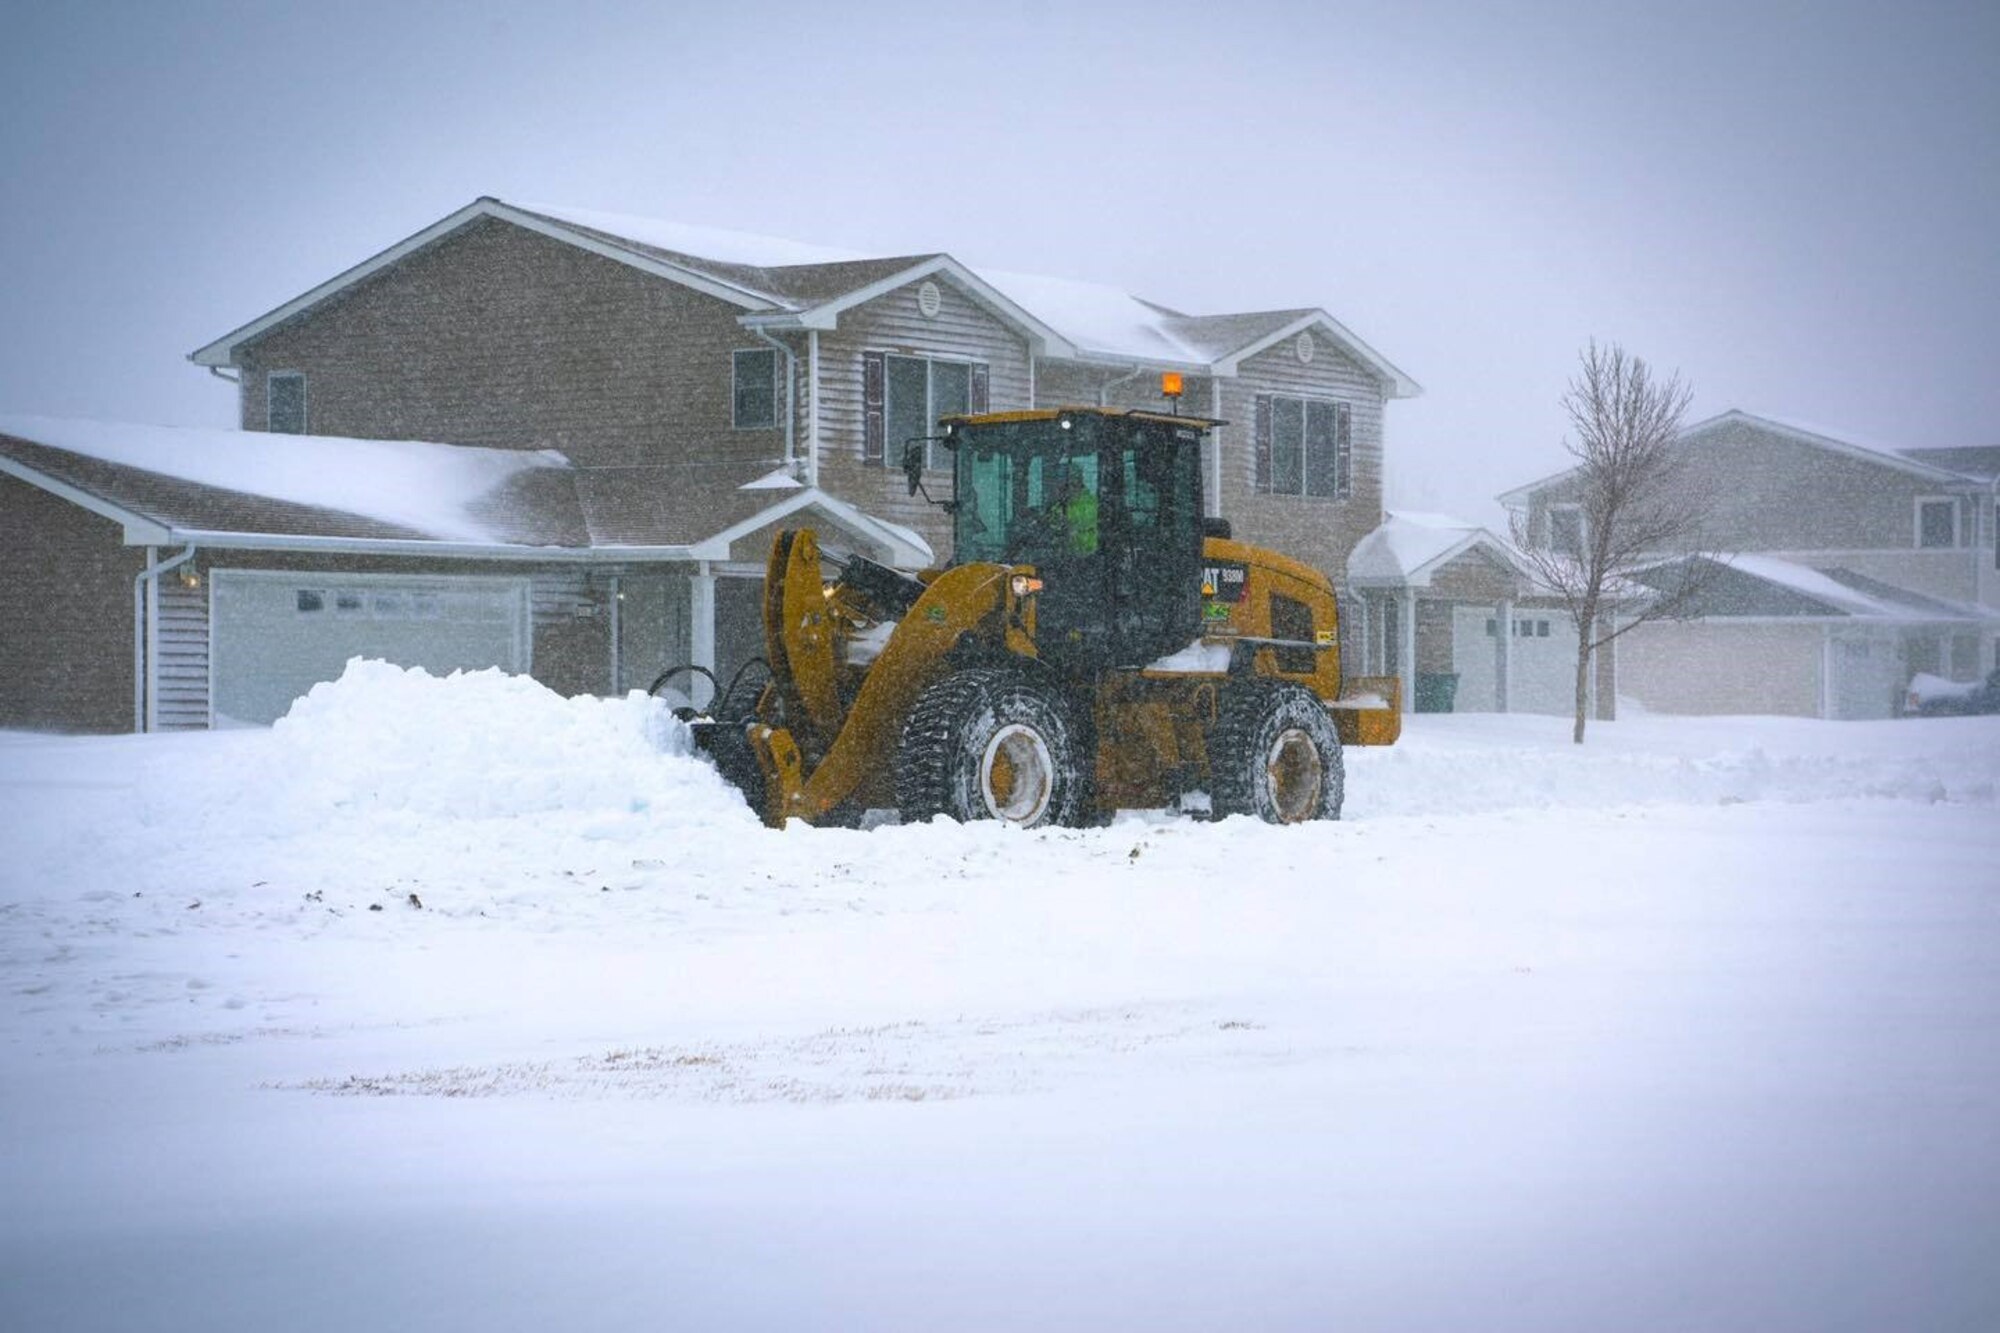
(1262, 451)
(1343, 453)
(874, 375)
(979, 395)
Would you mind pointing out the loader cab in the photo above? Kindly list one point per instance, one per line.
(1106, 506)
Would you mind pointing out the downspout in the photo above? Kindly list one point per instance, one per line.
(146, 635)
(812, 408)
(791, 390)
(617, 632)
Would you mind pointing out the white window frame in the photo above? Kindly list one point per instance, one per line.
(1582, 529)
(736, 380)
(305, 402)
(1951, 502)
(892, 448)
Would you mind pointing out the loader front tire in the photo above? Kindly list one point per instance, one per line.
(1274, 754)
(991, 743)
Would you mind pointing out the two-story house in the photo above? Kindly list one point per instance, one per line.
(685, 392)
(1847, 570)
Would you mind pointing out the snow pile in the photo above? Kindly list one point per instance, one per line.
(385, 752)
(485, 744)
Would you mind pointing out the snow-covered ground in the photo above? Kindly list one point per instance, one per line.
(452, 1004)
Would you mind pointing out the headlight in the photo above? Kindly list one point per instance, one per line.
(1023, 584)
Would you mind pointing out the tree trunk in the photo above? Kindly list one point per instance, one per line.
(1585, 628)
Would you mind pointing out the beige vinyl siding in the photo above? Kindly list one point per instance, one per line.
(182, 670)
(1769, 492)
(1318, 530)
(499, 336)
(962, 330)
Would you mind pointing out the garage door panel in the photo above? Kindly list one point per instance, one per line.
(276, 636)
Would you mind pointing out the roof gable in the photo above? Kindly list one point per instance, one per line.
(1736, 418)
(1409, 547)
(222, 351)
(780, 283)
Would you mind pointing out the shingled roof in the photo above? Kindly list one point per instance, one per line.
(237, 489)
(778, 282)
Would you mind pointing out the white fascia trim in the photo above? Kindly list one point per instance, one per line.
(442, 550)
(139, 530)
(1044, 341)
(717, 546)
(1400, 384)
(1420, 577)
(222, 350)
(1481, 540)
(1521, 497)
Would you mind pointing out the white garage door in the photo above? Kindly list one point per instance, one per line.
(1544, 662)
(1475, 656)
(273, 636)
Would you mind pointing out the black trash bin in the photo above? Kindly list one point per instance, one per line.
(1436, 691)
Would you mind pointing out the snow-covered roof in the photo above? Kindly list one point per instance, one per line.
(776, 281)
(1410, 544)
(1975, 462)
(428, 489)
(1095, 317)
(238, 489)
(1763, 586)
(728, 247)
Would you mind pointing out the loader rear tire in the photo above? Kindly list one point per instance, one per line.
(1274, 754)
(991, 743)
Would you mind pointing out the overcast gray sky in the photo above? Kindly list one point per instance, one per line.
(1795, 205)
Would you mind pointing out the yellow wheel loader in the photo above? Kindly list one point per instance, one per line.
(1095, 644)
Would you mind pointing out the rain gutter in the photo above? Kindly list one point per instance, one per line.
(261, 541)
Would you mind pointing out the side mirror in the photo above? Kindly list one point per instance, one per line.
(913, 463)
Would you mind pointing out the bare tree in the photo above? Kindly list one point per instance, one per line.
(1634, 513)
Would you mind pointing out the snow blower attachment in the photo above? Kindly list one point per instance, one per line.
(1095, 645)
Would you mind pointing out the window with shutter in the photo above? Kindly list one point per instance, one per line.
(917, 391)
(1305, 446)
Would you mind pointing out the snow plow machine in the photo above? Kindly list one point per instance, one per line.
(1095, 644)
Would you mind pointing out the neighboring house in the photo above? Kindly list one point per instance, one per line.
(1848, 570)
(1456, 612)
(690, 391)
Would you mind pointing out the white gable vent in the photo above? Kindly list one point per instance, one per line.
(1302, 347)
(929, 299)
